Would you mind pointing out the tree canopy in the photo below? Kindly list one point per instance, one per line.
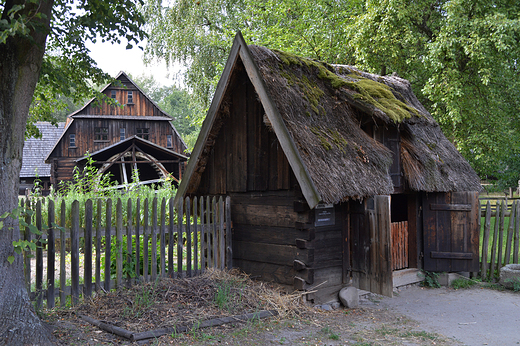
(460, 56)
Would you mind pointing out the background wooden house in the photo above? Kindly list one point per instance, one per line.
(128, 131)
(334, 175)
(34, 152)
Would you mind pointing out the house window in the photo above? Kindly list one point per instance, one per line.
(130, 97)
(113, 94)
(169, 141)
(101, 134)
(72, 140)
(122, 134)
(143, 133)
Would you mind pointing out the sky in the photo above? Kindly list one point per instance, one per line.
(113, 58)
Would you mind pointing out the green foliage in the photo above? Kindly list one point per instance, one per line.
(460, 56)
(431, 279)
(462, 283)
(330, 334)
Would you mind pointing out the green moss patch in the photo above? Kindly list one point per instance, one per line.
(368, 91)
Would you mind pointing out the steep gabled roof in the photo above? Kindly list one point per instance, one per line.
(317, 111)
(35, 150)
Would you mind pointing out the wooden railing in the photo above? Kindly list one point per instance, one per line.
(499, 242)
(113, 251)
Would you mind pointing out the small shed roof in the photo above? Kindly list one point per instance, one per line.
(35, 150)
(317, 111)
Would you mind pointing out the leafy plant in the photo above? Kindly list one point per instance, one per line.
(431, 279)
(515, 282)
(462, 283)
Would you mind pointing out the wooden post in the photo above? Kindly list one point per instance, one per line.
(229, 247)
(485, 241)
(74, 252)
(171, 269)
(203, 243)
(221, 239)
(163, 237)
(27, 254)
(188, 237)
(154, 239)
(510, 230)
(214, 234)
(119, 243)
(51, 255)
(145, 242)
(195, 237)
(129, 247)
(99, 217)
(39, 256)
(137, 240)
(517, 234)
(88, 249)
(108, 242)
(63, 254)
(180, 215)
(495, 241)
(501, 235)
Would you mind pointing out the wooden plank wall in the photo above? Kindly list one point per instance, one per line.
(246, 155)
(265, 233)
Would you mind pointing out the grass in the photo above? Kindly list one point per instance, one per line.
(462, 283)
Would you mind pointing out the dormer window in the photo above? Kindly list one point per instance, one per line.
(100, 134)
(130, 97)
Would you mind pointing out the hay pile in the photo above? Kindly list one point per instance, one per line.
(188, 301)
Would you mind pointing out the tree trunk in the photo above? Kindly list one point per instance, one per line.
(20, 62)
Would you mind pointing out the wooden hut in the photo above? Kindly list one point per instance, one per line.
(336, 176)
(135, 124)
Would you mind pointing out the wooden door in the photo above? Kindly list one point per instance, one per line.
(450, 231)
(371, 248)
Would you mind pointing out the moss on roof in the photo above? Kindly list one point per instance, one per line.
(368, 91)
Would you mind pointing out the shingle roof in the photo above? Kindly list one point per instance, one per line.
(36, 149)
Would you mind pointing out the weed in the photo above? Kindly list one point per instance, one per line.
(222, 297)
(387, 331)
(422, 334)
(431, 279)
(514, 282)
(282, 340)
(330, 334)
(462, 283)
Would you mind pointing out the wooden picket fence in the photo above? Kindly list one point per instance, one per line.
(202, 225)
(500, 244)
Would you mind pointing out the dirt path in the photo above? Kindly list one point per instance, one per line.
(474, 316)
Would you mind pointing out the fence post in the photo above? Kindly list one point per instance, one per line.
(145, 241)
(39, 255)
(495, 241)
(74, 251)
(63, 254)
(119, 242)
(51, 255)
(154, 239)
(213, 233)
(203, 239)
(188, 237)
(517, 229)
(163, 237)
(137, 240)
(229, 247)
(221, 239)
(27, 254)
(171, 270)
(510, 230)
(108, 242)
(501, 235)
(195, 237)
(129, 221)
(88, 248)
(485, 241)
(180, 217)
(98, 243)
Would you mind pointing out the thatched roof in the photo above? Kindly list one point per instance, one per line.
(323, 107)
(317, 112)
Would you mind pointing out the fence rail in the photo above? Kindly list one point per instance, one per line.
(499, 242)
(122, 246)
